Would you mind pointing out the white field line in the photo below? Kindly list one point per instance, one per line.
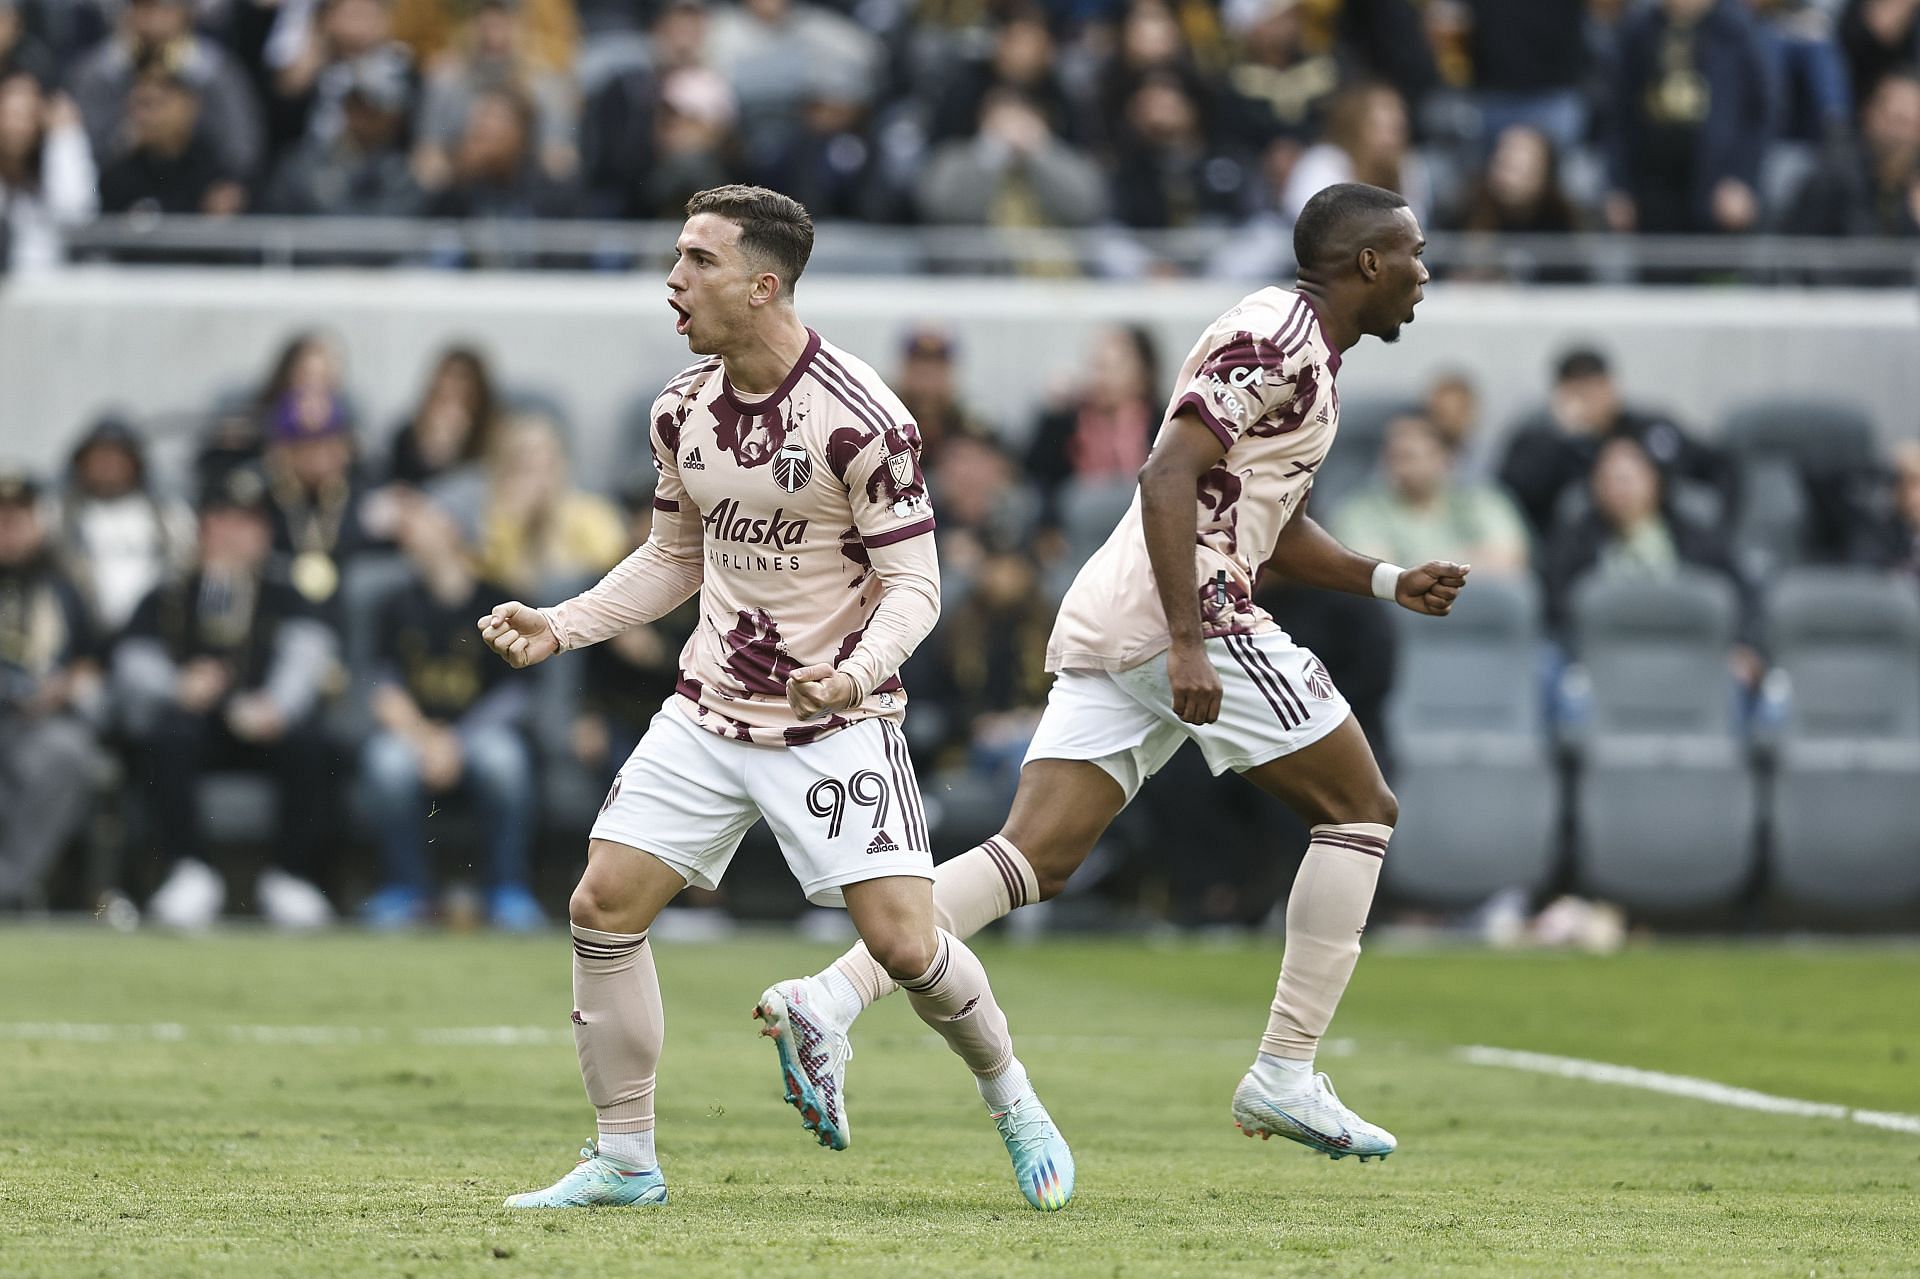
(1707, 1090)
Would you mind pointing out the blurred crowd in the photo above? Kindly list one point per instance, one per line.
(309, 620)
(1691, 116)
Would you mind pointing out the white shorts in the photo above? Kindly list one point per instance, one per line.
(845, 808)
(1275, 699)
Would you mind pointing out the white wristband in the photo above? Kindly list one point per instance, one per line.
(1386, 580)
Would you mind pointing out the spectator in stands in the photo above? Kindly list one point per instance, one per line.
(986, 667)
(1693, 112)
(694, 144)
(1368, 139)
(1022, 61)
(619, 123)
(1529, 67)
(308, 362)
(1894, 541)
(827, 162)
(1880, 37)
(982, 503)
(1554, 450)
(344, 44)
(361, 168)
(1870, 186)
(159, 34)
(1520, 189)
(224, 670)
(119, 537)
(774, 51)
(1014, 172)
(20, 53)
(1166, 172)
(49, 696)
(47, 178)
(541, 534)
(321, 513)
(1815, 100)
(452, 429)
(432, 28)
(493, 172)
(629, 677)
(1386, 40)
(1418, 510)
(492, 56)
(1101, 435)
(171, 166)
(1151, 48)
(928, 384)
(1452, 404)
(1277, 89)
(1632, 531)
(450, 720)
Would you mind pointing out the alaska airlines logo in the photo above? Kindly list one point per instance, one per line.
(725, 523)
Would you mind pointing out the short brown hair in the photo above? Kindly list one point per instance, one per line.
(774, 227)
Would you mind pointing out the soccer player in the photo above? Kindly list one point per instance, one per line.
(791, 498)
(1159, 642)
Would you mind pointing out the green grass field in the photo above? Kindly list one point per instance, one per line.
(257, 1105)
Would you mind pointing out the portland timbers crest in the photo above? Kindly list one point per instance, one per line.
(792, 468)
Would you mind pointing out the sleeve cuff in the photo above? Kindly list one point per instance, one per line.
(891, 536)
(1197, 402)
(666, 504)
(560, 635)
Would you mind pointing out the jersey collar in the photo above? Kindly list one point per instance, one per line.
(751, 408)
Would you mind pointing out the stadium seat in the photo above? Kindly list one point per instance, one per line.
(1666, 809)
(1479, 793)
(1848, 645)
(1780, 447)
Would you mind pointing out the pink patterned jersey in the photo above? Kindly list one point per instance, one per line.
(1260, 378)
(792, 493)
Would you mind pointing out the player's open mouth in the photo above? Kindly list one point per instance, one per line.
(686, 317)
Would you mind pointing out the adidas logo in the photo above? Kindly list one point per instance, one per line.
(1322, 419)
(692, 462)
(882, 843)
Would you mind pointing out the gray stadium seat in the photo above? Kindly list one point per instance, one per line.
(1777, 446)
(1666, 806)
(1479, 794)
(1843, 804)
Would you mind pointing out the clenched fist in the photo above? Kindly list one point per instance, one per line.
(519, 633)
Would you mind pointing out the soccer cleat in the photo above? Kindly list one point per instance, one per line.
(191, 898)
(512, 909)
(597, 1182)
(394, 907)
(1042, 1163)
(1316, 1119)
(814, 1052)
(291, 903)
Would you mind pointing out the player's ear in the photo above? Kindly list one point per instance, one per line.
(1369, 263)
(766, 287)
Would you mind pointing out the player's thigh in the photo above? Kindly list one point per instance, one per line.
(895, 917)
(1094, 748)
(1060, 811)
(623, 888)
(1334, 780)
(680, 797)
(845, 808)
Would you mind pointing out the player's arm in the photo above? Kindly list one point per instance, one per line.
(1306, 553)
(888, 497)
(1186, 450)
(657, 578)
(647, 585)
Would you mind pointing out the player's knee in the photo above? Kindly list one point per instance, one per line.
(596, 905)
(904, 954)
(1380, 807)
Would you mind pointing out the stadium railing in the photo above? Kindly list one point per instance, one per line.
(857, 248)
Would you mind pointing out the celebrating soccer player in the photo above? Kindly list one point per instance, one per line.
(791, 499)
(1158, 641)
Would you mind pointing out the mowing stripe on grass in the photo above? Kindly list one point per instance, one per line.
(1719, 1094)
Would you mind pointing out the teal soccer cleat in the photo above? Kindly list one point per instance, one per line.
(814, 1052)
(597, 1182)
(1316, 1119)
(1042, 1164)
